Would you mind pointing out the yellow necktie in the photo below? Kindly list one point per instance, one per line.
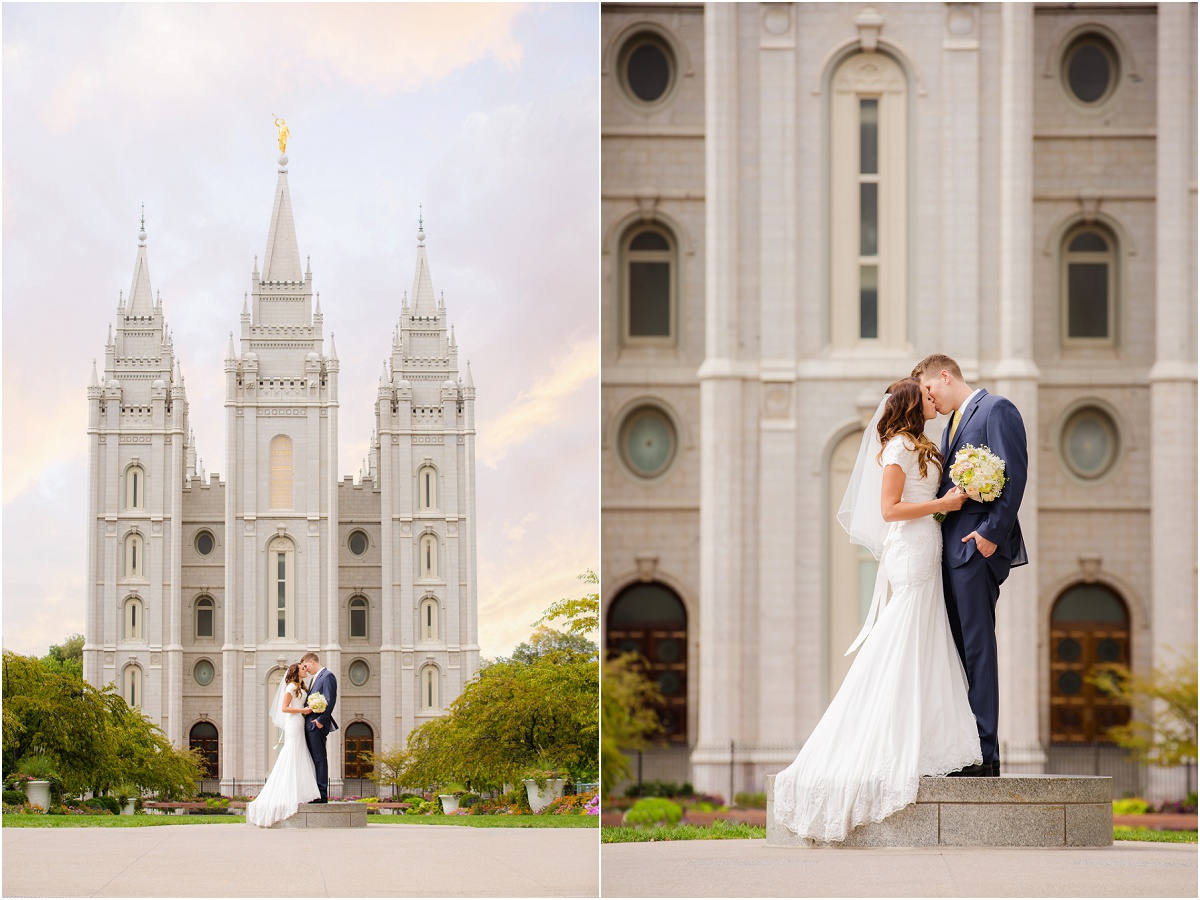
(954, 423)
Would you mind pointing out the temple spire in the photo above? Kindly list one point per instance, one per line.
(141, 297)
(282, 260)
(424, 302)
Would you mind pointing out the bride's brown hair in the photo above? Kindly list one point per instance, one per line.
(293, 676)
(904, 414)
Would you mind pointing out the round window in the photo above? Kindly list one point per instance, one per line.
(205, 542)
(647, 68)
(359, 672)
(648, 441)
(204, 672)
(1090, 69)
(358, 543)
(1089, 442)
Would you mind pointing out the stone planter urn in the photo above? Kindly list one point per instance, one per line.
(449, 802)
(38, 793)
(129, 807)
(539, 799)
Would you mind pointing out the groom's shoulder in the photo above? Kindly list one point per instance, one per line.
(996, 403)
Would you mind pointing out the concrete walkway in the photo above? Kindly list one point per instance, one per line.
(380, 860)
(752, 869)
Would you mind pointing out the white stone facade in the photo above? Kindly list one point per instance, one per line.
(201, 590)
(987, 167)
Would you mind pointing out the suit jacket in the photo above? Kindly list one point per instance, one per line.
(994, 422)
(325, 684)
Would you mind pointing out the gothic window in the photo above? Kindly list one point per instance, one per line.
(134, 614)
(1088, 286)
(430, 699)
(204, 617)
(359, 611)
(648, 286)
(135, 553)
(360, 741)
(203, 737)
(281, 472)
(135, 488)
(429, 556)
(429, 619)
(282, 587)
(647, 68)
(132, 685)
(427, 488)
(1089, 626)
(868, 203)
(1090, 69)
(649, 619)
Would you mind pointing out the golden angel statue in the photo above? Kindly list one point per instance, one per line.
(284, 133)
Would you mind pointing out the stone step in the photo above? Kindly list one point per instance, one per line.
(1012, 811)
(327, 815)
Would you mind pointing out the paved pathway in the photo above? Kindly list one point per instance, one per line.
(752, 869)
(242, 861)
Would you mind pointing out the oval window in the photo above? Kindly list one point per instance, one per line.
(358, 543)
(204, 672)
(648, 441)
(1090, 69)
(359, 672)
(1090, 442)
(647, 68)
(205, 542)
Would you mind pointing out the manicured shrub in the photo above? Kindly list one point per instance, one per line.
(756, 800)
(654, 811)
(1131, 806)
(14, 798)
(107, 803)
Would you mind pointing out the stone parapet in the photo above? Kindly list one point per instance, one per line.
(1013, 811)
(327, 815)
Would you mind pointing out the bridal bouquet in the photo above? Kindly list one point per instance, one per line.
(979, 472)
(317, 702)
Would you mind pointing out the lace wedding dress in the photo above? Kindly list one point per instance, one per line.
(293, 780)
(902, 711)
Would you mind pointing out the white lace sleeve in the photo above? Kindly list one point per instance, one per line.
(898, 452)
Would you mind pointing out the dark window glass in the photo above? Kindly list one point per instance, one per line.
(204, 619)
(358, 619)
(648, 72)
(1087, 300)
(868, 219)
(204, 543)
(358, 543)
(868, 302)
(1089, 72)
(649, 240)
(1089, 603)
(1088, 242)
(650, 299)
(647, 603)
(868, 137)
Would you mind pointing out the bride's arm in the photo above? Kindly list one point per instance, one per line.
(288, 708)
(896, 510)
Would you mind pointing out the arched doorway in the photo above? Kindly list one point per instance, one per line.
(360, 740)
(650, 619)
(203, 737)
(1089, 625)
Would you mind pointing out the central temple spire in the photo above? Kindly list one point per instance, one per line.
(282, 260)
(424, 302)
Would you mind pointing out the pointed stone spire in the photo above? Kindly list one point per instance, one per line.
(453, 342)
(245, 303)
(332, 347)
(141, 298)
(232, 353)
(95, 382)
(470, 380)
(282, 261)
(317, 311)
(110, 337)
(424, 300)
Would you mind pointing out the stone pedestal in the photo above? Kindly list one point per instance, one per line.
(327, 815)
(1017, 811)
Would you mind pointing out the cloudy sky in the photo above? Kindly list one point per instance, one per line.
(486, 115)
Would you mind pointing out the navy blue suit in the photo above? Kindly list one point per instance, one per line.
(970, 582)
(326, 685)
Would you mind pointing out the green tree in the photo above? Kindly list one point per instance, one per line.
(66, 657)
(582, 613)
(546, 641)
(627, 715)
(1163, 730)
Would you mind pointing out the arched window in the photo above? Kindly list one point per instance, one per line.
(135, 556)
(430, 683)
(281, 472)
(1089, 626)
(204, 617)
(648, 285)
(429, 556)
(427, 488)
(868, 203)
(430, 626)
(281, 587)
(359, 616)
(132, 685)
(650, 619)
(203, 737)
(135, 487)
(134, 626)
(360, 742)
(1089, 265)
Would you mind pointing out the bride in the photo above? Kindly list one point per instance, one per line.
(294, 779)
(902, 711)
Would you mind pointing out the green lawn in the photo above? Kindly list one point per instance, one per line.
(492, 821)
(718, 831)
(18, 820)
(1125, 833)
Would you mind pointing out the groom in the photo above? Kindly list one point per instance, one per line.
(317, 726)
(981, 541)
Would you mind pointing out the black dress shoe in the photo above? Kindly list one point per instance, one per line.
(996, 769)
(318, 801)
(976, 771)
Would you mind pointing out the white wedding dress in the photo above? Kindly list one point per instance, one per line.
(293, 780)
(902, 711)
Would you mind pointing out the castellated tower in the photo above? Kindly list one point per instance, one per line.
(201, 590)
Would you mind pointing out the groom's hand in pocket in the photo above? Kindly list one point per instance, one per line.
(985, 547)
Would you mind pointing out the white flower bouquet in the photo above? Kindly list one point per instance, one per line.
(317, 702)
(979, 472)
